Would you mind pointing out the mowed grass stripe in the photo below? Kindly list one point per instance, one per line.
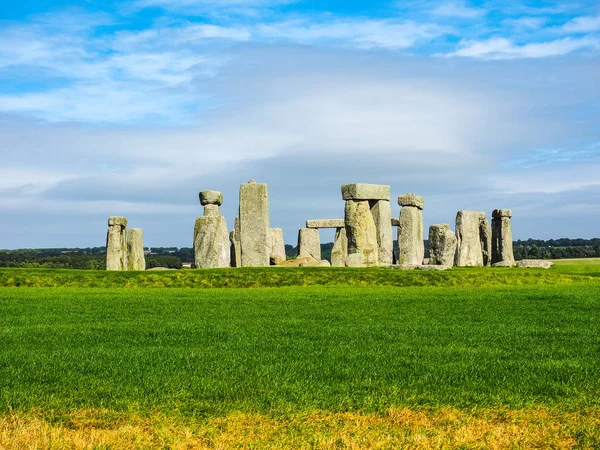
(207, 352)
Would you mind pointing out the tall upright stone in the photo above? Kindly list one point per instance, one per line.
(309, 243)
(469, 251)
(116, 243)
(211, 238)
(367, 219)
(277, 246)
(502, 244)
(236, 250)
(254, 224)
(135, 249)
(442, 245)
(485, 236)
(411, 246)
(339, 251)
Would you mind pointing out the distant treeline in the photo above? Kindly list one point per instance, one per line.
(93, 258)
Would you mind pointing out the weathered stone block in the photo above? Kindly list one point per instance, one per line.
(411, 200)
(534, 264)
(325, 223)
(363, 249)
(309, 243)
(135, 249)
(254, 225)
(339, 252)
(211, 198)
(382, 215)
(212, 210)
(116, 244)
(363, 191)
(502, 246)
(117, 220)
(485, 236)
(211, 243)
(499, 213)
(277, 246)
(411, 246)
(442, 245)
(468, 243)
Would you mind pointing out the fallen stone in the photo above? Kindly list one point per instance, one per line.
(325, 223)
(161, 268)
(254, 225)
(432, 267)
(277, 246)
(309, 243)
(135, 249)
(316, 263)
(404, 266)
(382, 215)
(442, 245)
(411, 246)
(534, 264)
(411, 200)
(211, 243)
(363, 191)
(363, 249)
(339, 251)
(295, 262)
(504, 264)
(211, 198)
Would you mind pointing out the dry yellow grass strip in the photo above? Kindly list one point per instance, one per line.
(399, 428)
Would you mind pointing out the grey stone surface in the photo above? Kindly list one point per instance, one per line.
(431, 267)
(411, 200)
(316, 263)
(277, 246)
(235, 251)
(117, 220)
(211, 243)
(382, 215)
(468, 243)
(395, 222)
(485, 236)
(363, 191)
(534, 264)
(212, 210)
(442, 245)
(325, 223)
(116, 244)
(502, 241)
(404, 266)
(504, 264)
(363, 249)
(309, 243)
(135, 249)
(211, 198)
(295, 262)
(411, 247)
(339, 252)
(254, 225)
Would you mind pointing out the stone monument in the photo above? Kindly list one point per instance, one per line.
(411, 247)
(116, 243)
(211, 239)
(502, 244)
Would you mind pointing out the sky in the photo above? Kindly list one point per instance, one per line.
(133, 107)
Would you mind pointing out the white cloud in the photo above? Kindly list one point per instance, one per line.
(501, 48)
(525, 23)
(582, 25)
(458, 9)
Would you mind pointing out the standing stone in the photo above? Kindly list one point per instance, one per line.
(363, 249)
(382, 215)
(309, 243)
(485, 236)
(211, 238)
(442, 245)
(116, 244)
(411, 246)
(468, 242)
(254, 224)
(339, 251)
(277, 246)
(235, 251)
(135, 249)
(502, 245)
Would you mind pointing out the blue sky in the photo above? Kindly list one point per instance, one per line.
(131, 108)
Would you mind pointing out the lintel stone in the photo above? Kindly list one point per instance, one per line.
(211, 198)
(363, 191)
(499, 213)
(325, 223)
(117, 220)
(411, 200)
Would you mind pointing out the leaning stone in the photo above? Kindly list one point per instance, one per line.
(135, 249)
(534, 264)
(382, 215)
(117, 220)
(410, 236)
(211, 198)
(309, 243)
(316, 263)
(363, 191)
(277, 246)
(411, 200)
(442, 245)
(502, 245)
(363, 249)
(468, 242)
(325, 223)
(339, 251)
(211, 243)
(254, 225)
(504, 264)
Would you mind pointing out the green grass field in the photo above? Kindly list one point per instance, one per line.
(334, 358)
